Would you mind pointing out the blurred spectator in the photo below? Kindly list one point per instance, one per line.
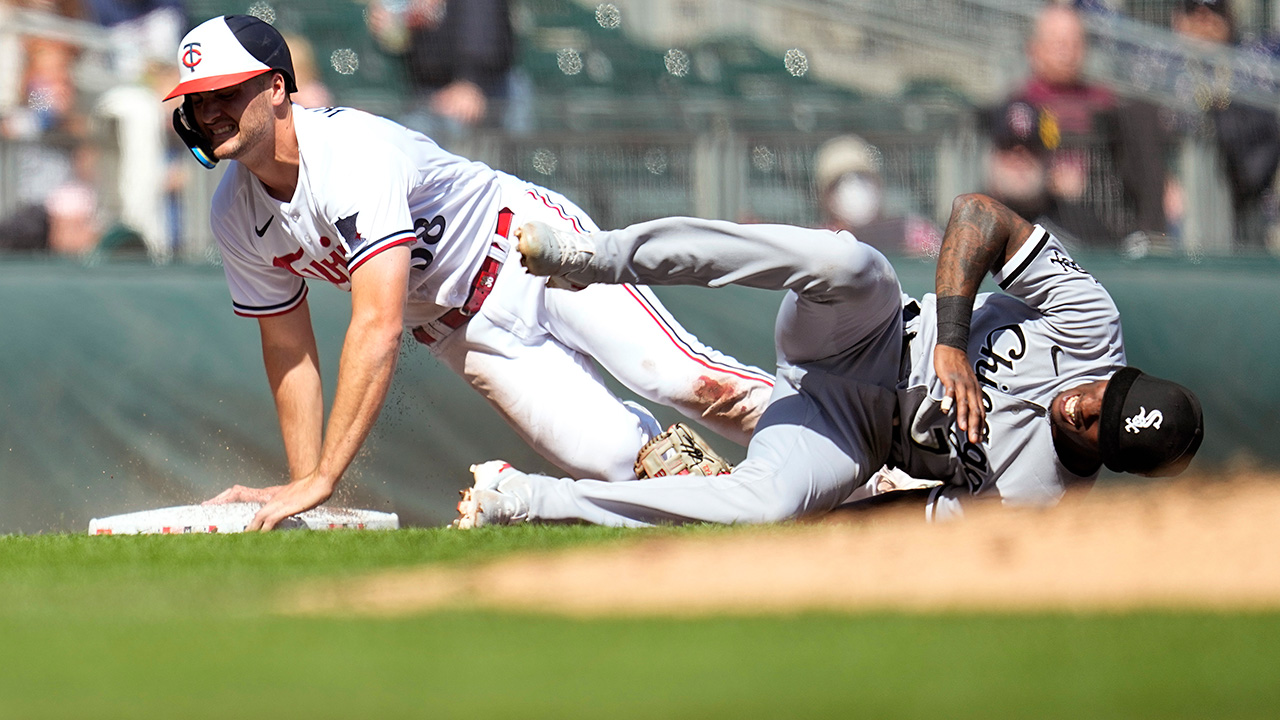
(852, 193)
(144, 35)
(56, 202)
(1088, 118)
(1208, 20)
(1248, 138)
(1023, 139)
(312, 92)
(143, 32)
(459, 56)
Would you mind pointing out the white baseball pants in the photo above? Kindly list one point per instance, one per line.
(530, 350)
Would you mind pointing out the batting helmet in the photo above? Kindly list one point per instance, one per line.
(219, 53)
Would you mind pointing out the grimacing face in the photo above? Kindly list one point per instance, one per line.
(235, 118)
(1075, 416)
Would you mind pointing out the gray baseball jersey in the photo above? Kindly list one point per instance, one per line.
(1055, 329)
(846, 370)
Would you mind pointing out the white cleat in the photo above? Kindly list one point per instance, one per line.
(550, 252)
(484, 503)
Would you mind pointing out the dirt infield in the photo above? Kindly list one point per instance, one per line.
(1193, 544)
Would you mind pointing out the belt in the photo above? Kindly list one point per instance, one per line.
(481, 286)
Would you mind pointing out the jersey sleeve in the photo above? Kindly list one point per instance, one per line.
(258, 288)
(1044, 276)
(371, 212)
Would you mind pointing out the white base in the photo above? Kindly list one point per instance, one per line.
(234, 518)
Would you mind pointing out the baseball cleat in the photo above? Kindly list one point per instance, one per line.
(484, 503)
(549, 252)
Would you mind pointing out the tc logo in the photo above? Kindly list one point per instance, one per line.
(1142, 420)
(191, 56)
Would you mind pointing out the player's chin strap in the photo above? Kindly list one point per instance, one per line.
(195, 140)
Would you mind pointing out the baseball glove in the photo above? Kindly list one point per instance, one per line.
(679, 451)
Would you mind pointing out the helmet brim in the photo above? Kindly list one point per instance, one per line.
(216, 82)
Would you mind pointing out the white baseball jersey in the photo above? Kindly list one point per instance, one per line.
(1057, 328)
(365, 184)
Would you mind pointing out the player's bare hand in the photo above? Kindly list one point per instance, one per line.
(240, 493)
(963, 392)
(298, 496)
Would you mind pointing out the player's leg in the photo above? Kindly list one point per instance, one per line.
(552, 397)
(800, 462)
(693, 251)
(636, 340)
(830, 423)
(844, 291)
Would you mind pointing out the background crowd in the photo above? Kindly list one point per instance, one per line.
(88, 164)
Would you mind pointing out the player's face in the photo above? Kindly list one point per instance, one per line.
(1075, 415)
(236, 119)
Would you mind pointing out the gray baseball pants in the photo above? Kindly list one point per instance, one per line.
(829, 423)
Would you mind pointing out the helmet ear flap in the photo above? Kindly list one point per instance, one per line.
(195, 140)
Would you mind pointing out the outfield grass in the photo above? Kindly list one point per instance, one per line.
(148, 627)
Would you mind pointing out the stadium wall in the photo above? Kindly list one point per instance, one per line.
(131, 386)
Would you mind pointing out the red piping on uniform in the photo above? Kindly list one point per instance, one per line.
(705, 363)
(662, 325)
(546, 201)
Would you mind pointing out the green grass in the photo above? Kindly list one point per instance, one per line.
(146, 627)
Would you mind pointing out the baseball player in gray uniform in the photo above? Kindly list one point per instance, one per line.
(420, 239)
(1013, 396)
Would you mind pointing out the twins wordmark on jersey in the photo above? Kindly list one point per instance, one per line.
(364, 185)
(335, 268)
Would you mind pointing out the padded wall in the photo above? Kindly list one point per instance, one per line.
(125, 387)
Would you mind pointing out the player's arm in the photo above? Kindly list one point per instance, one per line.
(292, 363)
(293, 371)
(369, 353)
(981, 235)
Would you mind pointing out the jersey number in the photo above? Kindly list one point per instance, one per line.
(429, 232)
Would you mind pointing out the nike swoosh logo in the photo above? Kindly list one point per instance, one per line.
(262, 230)
(1055, 352)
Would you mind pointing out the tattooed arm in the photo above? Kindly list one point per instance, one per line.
(981, 235)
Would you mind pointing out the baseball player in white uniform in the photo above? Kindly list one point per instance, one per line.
(420, 239)
(1012, 397)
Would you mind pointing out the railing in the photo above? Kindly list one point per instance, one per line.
(768, 177)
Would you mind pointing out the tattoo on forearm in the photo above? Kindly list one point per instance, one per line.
(975, 239)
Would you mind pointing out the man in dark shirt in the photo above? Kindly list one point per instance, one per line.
(459, 56)
(1018, 176)
(1098, 134)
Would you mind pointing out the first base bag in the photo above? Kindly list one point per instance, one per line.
(234, 518)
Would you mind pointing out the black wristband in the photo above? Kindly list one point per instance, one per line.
(954, 314)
